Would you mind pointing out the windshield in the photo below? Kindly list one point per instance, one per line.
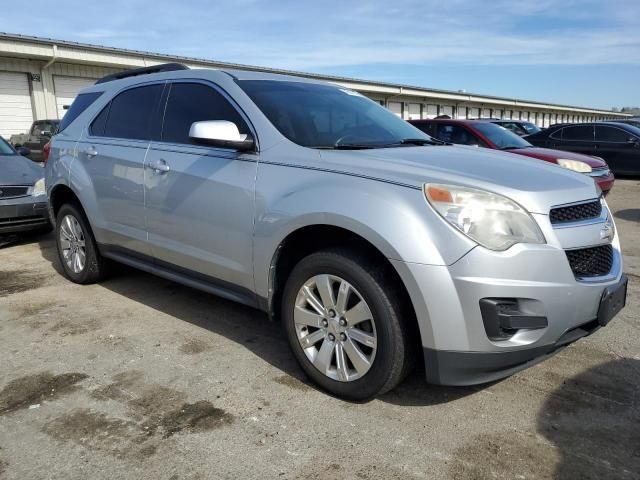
(325, 116)
(501, 137)
(5, 148)
(530, 127)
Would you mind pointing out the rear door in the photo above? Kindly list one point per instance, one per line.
(618, 148)
(113, 154)
(200, 199)
(575, 138)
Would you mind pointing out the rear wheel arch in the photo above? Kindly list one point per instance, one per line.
(60, 195)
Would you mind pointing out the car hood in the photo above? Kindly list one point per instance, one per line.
(17, 170)
(551, 155)
(535, 185)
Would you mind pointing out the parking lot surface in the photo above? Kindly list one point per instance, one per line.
(139, 377)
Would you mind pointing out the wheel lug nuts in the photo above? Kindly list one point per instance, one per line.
(343, 337)
(332, 337)
(325, 324)
(342, 322)
(332, 313)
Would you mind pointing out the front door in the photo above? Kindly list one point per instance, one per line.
(200, 199)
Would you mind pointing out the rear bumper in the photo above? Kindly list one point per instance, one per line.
(23, 214)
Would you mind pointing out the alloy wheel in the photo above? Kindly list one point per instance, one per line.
(335, 328)
(72, 243)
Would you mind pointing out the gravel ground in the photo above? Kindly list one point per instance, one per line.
(139, 377)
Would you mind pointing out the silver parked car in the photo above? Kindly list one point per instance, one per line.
(372, 243)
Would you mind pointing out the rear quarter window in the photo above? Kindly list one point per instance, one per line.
(79, 105)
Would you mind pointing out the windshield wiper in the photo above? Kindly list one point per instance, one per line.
(421, 141)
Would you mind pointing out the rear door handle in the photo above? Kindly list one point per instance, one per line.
(90, 152)
(159, 166)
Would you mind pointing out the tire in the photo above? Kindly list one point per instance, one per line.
(74, 232)
(388, 361)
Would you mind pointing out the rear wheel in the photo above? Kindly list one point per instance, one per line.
(77, 249)
(344, 324)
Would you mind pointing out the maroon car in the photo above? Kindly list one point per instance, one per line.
(483, 133)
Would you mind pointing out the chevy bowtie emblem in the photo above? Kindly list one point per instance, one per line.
(607, 231)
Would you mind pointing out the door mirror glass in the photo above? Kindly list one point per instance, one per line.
(220, 133)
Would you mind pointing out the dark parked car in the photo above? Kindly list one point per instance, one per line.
(634, 122)
(618, 143)
(23, 198)
(36, 138)
(485, 133)
(519, 127)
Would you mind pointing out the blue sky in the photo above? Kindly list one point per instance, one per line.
(580, 52)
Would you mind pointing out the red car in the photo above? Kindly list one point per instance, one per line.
(483, 133)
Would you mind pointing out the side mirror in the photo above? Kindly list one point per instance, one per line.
(24, 151)
(221, 133)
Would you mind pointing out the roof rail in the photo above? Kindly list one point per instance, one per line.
(134, 72)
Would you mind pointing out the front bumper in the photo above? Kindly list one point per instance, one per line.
(447, 300)
(23, 214)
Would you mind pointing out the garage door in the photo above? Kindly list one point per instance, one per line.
(395, 107)
(67, 89)
(15, 104)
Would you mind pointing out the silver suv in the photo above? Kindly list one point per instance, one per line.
(372, 243)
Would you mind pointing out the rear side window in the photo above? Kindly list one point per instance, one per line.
(611, 134)
(79, 105)
(129, 114)
(195, 102)
(582, 133)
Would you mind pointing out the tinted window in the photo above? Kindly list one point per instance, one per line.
(325, 116)
(41, 127)
(194, 102)
(611, 134)
(501, 137)
(530, 127)
(98, 124)
(131, 112)
(514, 127)
(79, 105)
(456, 134)
(579, 132)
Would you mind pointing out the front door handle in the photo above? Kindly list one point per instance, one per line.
(90, 152)
(159, 166)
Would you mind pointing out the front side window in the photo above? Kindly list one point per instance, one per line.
(582, 133)
(611, 134)
(129, 114)
(502, 138)
(324, 116)
(195, 102)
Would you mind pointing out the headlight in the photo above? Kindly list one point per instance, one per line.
(575, 165)
(39, 188)
(491, 220)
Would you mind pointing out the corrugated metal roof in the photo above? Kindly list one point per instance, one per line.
(331, 78)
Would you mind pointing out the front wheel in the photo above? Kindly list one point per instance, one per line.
(344, 324)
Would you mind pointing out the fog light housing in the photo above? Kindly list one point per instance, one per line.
(503, 318)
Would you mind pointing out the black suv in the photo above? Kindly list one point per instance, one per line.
(617, 143)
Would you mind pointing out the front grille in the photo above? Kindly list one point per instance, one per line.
(575, 213)
(13, 191)
(591, 262)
